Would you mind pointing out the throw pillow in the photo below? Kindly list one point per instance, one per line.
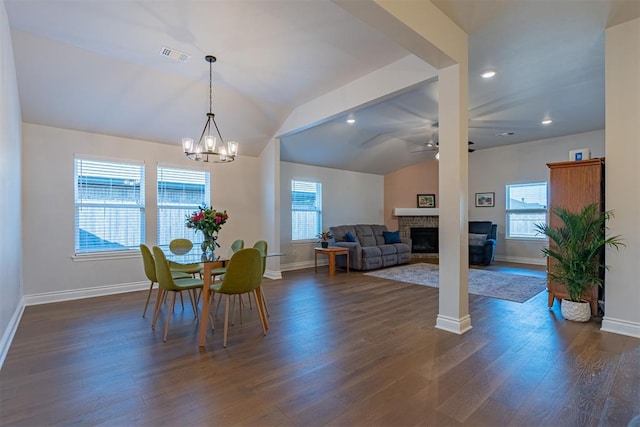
(391, 237)
(477, 239)
(348, 237)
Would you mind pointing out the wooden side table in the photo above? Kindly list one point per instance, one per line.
(331, 252)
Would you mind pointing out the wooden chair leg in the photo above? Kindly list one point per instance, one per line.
(217, 306)
(161, 295)
(194, 304)
(181, 301)
(211, 317)
(233, 311)
(148, 297)
(260, 313)
(166, 322)
(226, 320)
(264, 301)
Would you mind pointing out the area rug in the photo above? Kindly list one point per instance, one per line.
(512, 287)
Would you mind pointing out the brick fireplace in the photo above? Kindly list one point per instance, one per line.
(415, 218)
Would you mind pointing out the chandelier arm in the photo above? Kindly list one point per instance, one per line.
(206, 125)
(217, 129)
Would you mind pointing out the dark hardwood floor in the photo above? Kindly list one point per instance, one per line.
(348, 350)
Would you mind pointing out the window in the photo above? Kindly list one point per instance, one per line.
(109, 206)
(306, 209)
(526, 206)
(180, 192)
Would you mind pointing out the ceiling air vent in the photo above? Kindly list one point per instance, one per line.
(174, 54)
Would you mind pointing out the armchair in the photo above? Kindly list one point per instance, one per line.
(482, 242)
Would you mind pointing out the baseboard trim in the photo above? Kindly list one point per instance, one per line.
(522, 260)
(300, 265)
(622, 327)
(98, 291)
(450, 324)
(10, 331)
(273, 274)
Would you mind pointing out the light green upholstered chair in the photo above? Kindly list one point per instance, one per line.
(150, 272)
(235, 247)
(167, 283)
(262, 246)
(219, 272)
(181, 247)
(243, 276)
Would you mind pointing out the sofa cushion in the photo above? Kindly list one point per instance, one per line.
(477, 239)
(391, 237)
(371, 251)
(348, 237)
(402, 248)
(340, 231)
(365, 235)
(388, 249)
(378, 232)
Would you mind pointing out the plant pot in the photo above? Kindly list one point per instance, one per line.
(325, 244)
(575, 311)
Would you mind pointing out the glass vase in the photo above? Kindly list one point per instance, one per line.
(208, 245)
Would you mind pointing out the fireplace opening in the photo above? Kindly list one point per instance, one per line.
(424, 240)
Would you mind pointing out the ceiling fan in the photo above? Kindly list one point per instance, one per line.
(434, 146)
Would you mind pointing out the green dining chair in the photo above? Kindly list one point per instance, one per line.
(219, 272)
(243, 276)
(262, 246)
(235, 247)
(167, 284)
(181, 247)
(150, 272)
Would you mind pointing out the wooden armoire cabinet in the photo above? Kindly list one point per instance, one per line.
(573, 185)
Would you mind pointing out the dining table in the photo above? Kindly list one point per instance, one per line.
(209, 262)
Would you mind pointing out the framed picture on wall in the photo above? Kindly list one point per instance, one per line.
(426, 200)
(485, 200)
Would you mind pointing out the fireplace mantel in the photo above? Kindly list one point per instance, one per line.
(415, 211)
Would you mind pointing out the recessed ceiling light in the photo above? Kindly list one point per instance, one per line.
(506, 134)
(547, 121)
(488, 74)
(351, 120)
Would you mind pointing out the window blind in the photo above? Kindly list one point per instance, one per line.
(526, 207)
(109, 206)
(306, 209)
(180, 192)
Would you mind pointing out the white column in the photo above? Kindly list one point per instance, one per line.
(453, 313)
(622, 176)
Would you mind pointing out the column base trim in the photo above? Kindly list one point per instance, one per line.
(451, 324)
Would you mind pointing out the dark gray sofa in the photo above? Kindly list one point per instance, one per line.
(369, 251)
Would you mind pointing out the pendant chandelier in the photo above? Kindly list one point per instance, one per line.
(210, 148)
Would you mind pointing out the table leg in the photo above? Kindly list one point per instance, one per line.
(205, 304)
(316, 261)
(332, 263)
(347, 262)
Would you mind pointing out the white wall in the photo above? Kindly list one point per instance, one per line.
(492, 169)
(50, 274)
(347, 198)
(622, 290)
(11, 290)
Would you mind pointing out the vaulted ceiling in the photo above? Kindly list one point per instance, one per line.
(96, 66)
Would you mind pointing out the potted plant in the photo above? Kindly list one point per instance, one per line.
(324, 237)
(576, 247)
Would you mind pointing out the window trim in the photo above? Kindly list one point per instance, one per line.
(508, 212)
(207, 194)
(107, 254)
(318, 211)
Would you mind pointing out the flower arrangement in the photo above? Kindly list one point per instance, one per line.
(325, 236)
(207, 220)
